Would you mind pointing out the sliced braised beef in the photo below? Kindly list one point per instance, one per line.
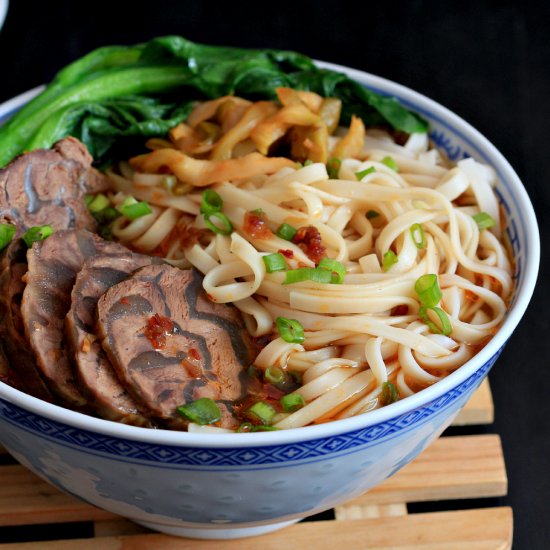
(52, 268)
(48, 186)
(170, 345)
(94, 372)
(22, 371)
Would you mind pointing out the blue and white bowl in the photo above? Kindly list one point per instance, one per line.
(235, 485)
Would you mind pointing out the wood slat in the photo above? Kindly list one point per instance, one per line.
(453, 467)
(479, 409)
(484, 529)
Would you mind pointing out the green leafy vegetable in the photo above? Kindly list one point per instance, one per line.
(116, 94)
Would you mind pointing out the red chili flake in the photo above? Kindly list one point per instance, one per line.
(194, 371)
(256, 225)
(158, 327)
(309, 240)
(194, 354)
(124, 300)
(400, 310)
(210, 297)
(286, 253)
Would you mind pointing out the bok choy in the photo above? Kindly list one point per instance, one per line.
(117, 93)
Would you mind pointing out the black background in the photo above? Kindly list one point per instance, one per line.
(487, 61)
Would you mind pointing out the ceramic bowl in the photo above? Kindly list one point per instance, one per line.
(235, 485)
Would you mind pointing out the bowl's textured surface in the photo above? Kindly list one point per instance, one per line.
(231, 485)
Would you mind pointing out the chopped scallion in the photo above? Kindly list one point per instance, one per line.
(211, 202)
(290, 330)
(360, 175)
(223, 225)
(389, 259)
(372, 214)
(201, 411)
(389, 394)
(337, 269)
(484, 220)
(444, 326)
(35, 234)
(248, 427)
(106, 215)
(134, 210)
(245, 427)
(333, 168)
(307, 274)
(286, 232)
(418, 237)
(427, 288)
(7, 232)
(292, 402)
(261, 412)
(275, 375)
(390, 163)
(274, 262)
(98, 203)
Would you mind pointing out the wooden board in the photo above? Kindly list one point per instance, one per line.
(459, 467)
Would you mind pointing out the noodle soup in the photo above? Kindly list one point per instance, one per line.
(369, 264)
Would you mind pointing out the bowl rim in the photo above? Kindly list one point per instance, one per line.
(260, 439)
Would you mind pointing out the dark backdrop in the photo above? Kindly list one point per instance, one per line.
(487, 61)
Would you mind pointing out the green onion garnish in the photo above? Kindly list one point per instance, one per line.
(307, 274)
(372, 214)
(308, 162)
(290, 330)
(7, 232)
(389, 259)
(333, 168)
(223, 225)
(275, 375)
(35, 234)
(98, 203)
(389, 394)
(262, 412)
(445, 328)
(274, 262)
(484, 220)
(292, 402)
(201, 411)
(106, 215)
(360, 175)
(286, 232)
(390, 163)
(418, 237)
(427, 288)
(337, 269)
(245, 427)
(248, 427)
(211, 202)
(135, 211)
